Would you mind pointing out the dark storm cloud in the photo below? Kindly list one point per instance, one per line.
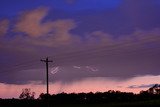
(85, 40)
(124, 19)
(120, 59)
(142, 86)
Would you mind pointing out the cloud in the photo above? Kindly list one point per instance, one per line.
(31, 23)
(4, 25)
(59, 36)
(124, 57)
(99, 37)
(42, 32)
(141, 86)
(62, 28)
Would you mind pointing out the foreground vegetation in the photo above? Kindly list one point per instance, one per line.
(111, 98)
(40, 103)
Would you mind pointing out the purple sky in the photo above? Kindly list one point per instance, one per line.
(116, 39)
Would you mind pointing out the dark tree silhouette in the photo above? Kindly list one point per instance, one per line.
(27, 94)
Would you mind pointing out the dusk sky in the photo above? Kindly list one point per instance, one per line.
(95, 45)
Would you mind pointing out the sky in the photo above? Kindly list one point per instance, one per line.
(93, 44)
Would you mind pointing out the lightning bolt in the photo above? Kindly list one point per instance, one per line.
(54, 70)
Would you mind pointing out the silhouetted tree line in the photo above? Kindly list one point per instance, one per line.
(97, 97)
(111, 96)
(103, 97)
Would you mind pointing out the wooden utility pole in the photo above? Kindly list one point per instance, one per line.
(47, 78)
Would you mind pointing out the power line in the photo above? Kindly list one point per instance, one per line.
(111, 49)
(73, 58)
(107, 52)
(18, 67)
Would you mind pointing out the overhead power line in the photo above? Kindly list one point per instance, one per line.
(108, 50)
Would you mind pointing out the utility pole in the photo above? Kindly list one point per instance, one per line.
(47, 61)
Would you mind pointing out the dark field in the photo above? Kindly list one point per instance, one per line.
(18, 103)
